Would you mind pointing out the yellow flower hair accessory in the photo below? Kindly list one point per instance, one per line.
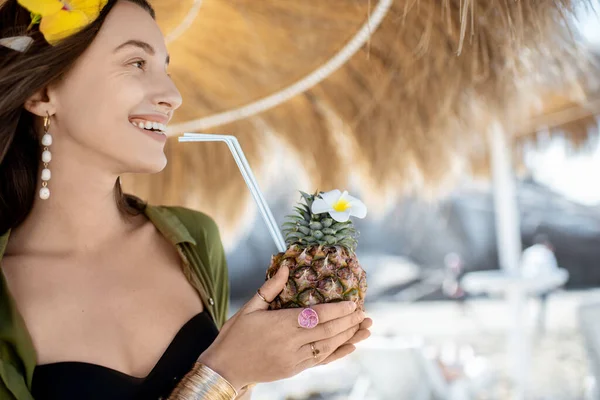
(60, 19)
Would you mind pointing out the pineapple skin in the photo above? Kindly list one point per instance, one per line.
(319, 274)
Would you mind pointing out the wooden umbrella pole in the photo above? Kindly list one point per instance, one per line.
(508, 236)
(505, 201)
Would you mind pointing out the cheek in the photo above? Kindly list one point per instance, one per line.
(117, 99)
(99, 108)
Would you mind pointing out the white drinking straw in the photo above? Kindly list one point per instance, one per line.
(248, 175)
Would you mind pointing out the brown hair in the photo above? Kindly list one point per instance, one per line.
(21, 76)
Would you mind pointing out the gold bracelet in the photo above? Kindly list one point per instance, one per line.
(202, 383)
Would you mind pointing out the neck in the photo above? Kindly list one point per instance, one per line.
(80, 216)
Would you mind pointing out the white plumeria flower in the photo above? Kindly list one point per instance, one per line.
(339, 205)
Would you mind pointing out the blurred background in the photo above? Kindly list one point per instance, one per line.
(470, 130)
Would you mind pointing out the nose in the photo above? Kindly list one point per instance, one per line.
(167, 96)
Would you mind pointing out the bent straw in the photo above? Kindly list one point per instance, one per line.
(248, 175)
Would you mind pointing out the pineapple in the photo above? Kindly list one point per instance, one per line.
(320, 257)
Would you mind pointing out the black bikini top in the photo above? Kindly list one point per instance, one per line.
(80, 380)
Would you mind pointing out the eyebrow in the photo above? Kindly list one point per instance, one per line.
(142, 45)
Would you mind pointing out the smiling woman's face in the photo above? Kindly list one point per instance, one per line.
(115, 102)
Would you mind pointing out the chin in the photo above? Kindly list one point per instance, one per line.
(150, 166)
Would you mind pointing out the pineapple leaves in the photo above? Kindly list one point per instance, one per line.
(341, 225)
(305, 208)
(348, 245)
(307, 229)
(330, 240)
(346, 233)
(294, 217)
(304, 230)
(315, 225)
(327, 222)
(309, 198)
(302, 211)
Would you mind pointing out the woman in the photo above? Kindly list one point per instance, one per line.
(101, 295)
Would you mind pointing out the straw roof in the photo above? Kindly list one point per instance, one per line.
(406, 113)
(572, 114)
(561, 115)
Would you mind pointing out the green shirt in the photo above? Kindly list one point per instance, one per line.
(195, 235)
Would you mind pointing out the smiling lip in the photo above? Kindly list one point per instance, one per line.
(153, 125)
(160, 118)
(160, 136)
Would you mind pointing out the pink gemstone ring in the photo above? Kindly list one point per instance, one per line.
(308, 318)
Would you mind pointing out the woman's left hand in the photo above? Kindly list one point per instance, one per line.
(342, 351)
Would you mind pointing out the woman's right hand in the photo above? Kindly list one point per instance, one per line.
(260, 345)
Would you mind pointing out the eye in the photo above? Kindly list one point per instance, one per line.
(141, 64)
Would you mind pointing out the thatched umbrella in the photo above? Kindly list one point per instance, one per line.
(572, 114)
(404, 113)
(562, 116)
(407, 111)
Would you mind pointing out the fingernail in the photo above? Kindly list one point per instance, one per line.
(353, 306)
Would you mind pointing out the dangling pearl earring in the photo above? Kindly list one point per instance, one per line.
(46, 157)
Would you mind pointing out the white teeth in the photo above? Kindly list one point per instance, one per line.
(157, 126)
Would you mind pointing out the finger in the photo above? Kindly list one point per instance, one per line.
(330, 311)
(324, 348)
(332, 328)
(270, 290)
(341, 352)
(359, 336)
(366, 324)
